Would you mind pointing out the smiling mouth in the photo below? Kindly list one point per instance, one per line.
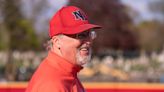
(84, 51)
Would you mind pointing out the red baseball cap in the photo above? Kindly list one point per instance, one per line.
(69, 20)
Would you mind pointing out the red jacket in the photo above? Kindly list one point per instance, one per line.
(55, 74)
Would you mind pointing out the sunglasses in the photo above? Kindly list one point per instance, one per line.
(84, 35)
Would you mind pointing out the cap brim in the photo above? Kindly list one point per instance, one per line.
(81, 28)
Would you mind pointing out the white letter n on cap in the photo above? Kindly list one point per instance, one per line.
(79, 16)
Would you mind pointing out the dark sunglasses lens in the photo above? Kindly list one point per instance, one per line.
(83, 35)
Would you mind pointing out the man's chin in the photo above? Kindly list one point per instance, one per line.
(83, 60)
(83, 57)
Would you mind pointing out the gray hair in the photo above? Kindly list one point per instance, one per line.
(49, 44)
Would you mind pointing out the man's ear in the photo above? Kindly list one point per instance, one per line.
(56, 41)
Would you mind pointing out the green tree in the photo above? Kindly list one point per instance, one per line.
(150, 35)
(20, 33)
(3, 38)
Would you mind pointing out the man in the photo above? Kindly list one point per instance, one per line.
(71, 38)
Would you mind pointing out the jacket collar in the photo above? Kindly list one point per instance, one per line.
(62, 64)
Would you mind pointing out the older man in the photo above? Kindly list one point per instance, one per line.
(71, 37)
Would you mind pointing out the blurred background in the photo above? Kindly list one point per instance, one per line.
(129, 47)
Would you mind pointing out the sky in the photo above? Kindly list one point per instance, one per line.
(141, 6)
(58, 3)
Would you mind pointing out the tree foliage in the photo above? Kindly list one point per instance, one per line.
(151, 32)
(151, 35)
(20, 32)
